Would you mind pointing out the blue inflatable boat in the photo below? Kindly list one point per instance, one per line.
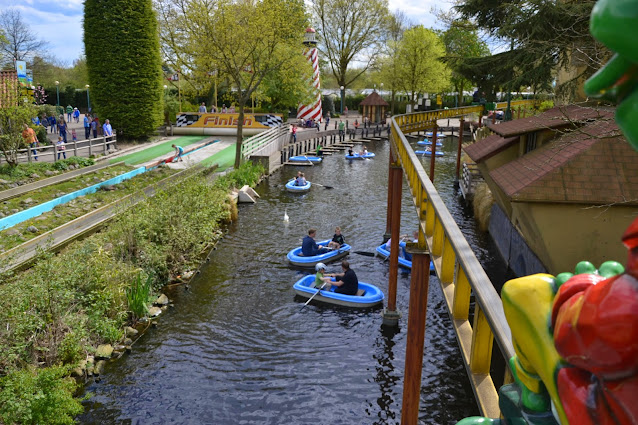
(359, 156)
(428, 143)
(296, 259)
(292, 188)
(428, 153)
(367, 296)
(403, 261)
(303, 158)
(438, 135)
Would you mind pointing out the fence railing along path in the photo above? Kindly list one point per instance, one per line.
(85, 148)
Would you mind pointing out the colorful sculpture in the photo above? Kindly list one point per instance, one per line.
(614, 23)
(576, 335)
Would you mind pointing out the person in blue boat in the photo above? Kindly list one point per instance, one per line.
(301, 179)
(346, 282)
(337, 239)
(309, 247)
(320, 278)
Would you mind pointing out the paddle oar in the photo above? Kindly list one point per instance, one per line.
(324, 186)
(310, 299)
(367, 254)
(308, 159)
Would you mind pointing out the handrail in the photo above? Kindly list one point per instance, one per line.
(513, 103)
(262, 140)
(458, 269)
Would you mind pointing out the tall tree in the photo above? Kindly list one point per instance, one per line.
(462, 41)
(543, 37)
(350, 30)
(19, 42)
(123, 60)
(420, 69)
(246, 41)
(397, 24)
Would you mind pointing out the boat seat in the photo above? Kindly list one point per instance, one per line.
(361, 292)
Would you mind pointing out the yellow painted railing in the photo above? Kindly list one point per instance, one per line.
(516, 103)
(458, 269)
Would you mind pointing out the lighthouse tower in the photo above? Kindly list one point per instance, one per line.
(312, 111)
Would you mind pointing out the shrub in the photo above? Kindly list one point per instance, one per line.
(545, 105)
(31, 396)
(248, 173)
(41, 134)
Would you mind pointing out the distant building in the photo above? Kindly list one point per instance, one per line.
(374, 107)
(565, 184)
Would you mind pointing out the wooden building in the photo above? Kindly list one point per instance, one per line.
(374, 107)
(565, 185)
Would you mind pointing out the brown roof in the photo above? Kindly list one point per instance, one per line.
(374, 99)
(558, 117)
(593, 165)
(488, 147)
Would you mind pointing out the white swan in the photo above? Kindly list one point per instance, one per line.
(286, 218)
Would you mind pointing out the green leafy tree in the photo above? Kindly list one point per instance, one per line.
(123, 60)
(351, 30)
(462, 41)
(12, 120)
(545, 38)
(419, 65)
(246, 41)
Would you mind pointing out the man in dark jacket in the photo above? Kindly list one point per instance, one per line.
(346, 282)
(309, 247)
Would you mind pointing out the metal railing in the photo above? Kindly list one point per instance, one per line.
(48, 153)
(265, 143)
(516, 103)
(458, 269)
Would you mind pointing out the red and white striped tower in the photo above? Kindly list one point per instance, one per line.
(312, 111)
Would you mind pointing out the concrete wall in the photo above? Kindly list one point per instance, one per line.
(512, 246)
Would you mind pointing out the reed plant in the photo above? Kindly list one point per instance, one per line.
(138, 296)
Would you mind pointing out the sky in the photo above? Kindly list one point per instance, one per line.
(59, 22)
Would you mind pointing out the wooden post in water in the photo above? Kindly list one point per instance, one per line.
(433, 156)
(390, 314)
(388, 214)
(419, 284)
(458, 154)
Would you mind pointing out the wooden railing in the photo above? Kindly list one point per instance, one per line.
(458, 269)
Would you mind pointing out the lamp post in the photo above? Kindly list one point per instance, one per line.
(342, 95)
(88, 99)
(57, 90)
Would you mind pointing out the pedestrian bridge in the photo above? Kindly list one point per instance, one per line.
(457, 268)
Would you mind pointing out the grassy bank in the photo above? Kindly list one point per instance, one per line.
(24, 173)
(55, 314)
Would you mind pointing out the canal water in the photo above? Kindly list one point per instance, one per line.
(237, 348)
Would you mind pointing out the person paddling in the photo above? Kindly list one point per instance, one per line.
(346, 282)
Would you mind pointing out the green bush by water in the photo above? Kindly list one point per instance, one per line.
(55, 313)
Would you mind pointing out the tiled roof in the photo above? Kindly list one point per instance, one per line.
(551, 119)
(593, 165)
(374, 99)
(488, 147)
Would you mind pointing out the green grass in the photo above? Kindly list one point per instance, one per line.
(157, 150)
(225, 158)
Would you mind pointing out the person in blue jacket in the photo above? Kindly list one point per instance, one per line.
(179, 151)
(309, 247)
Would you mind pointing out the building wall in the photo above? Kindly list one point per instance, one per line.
(561, 235)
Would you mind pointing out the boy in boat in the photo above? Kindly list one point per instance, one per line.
(350, 152)
(337, 239)
(309, 247)
(346, 282)
(364, 151)
(320, 278)
(179, 151)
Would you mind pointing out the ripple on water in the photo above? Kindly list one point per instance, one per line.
(238, 348)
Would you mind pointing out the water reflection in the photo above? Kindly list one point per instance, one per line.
(238, 349)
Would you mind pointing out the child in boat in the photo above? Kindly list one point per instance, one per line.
(320, 277)
(364, 151)
(350, 152)
(301, 180)
(337, 239)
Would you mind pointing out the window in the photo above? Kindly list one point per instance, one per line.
(531, 142)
